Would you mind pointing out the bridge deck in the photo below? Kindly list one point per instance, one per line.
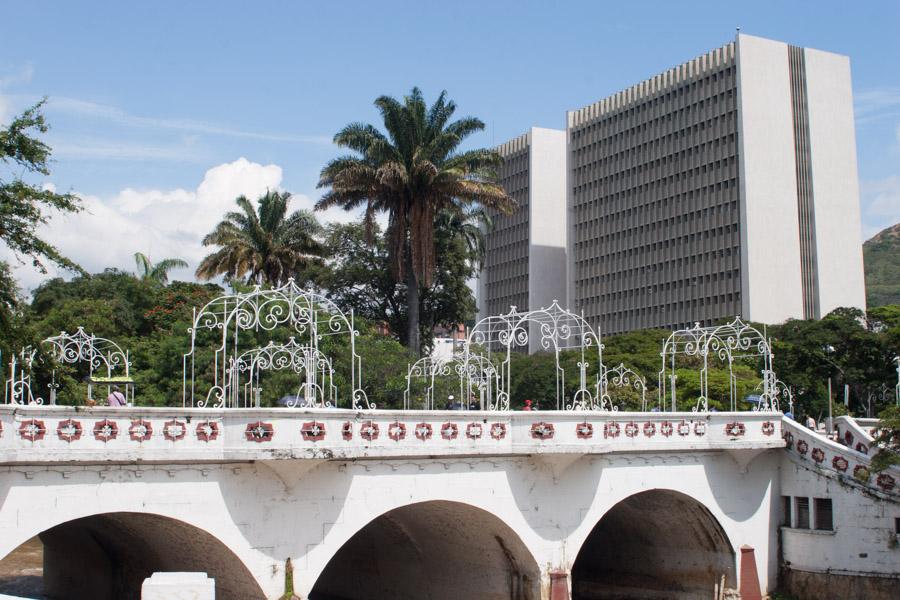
(52, 434)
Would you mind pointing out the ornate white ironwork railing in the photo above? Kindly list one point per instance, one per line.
(98, 353)
(727, 343)
(308, 316)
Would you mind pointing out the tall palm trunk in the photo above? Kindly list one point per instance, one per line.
(412, 306)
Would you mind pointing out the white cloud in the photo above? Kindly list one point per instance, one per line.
(165, 224)
(83, 108)
(22, 75)
(103, 149)
(881, 204)
(875, 104)
(161, 223)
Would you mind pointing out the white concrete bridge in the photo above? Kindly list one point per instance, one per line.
(433, 504)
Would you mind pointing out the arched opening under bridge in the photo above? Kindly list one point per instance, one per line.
(654, 545)
(108, 556)
(438, 550)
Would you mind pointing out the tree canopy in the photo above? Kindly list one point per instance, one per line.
(413, 171)
(265, 245)
(25, 206)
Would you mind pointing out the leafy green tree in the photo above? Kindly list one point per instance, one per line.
(157, 272)
(888, 439)
(25, 206)
(358, 277)
(412, 172)
(267, 246)
(881, 256)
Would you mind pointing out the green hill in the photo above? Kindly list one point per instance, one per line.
(882, 257)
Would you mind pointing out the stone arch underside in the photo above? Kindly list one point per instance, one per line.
(654, 545)
(438, 550)
(108, 556)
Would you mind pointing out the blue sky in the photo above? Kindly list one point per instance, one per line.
(153, 103)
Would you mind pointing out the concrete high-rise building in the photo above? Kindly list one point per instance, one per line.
(525, 258)
(724, 186)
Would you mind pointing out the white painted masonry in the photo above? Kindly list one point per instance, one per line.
(298, 495)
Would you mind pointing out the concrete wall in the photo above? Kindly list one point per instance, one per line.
(770, 258)
(547, 223)
(265, 514)
(862, 542)
(835, 183)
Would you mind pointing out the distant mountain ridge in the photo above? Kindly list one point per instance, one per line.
(881, 254)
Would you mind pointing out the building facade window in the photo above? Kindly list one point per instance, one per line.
(823, 514)
(802, 506)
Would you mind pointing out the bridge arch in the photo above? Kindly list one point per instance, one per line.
(438, 549)
(654, 544)
(107, 555)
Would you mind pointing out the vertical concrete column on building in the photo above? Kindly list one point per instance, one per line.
(749, 576)
(771, 289)
(559, 585)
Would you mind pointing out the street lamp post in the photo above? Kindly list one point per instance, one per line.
(830, 350)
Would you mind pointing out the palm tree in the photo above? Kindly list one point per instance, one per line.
(267, 246)
(157, 272)
(412, 172)
(471, 225)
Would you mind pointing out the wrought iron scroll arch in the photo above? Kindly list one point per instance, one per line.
(621, 376)
(726, 342)
(18, 384)
(97, 352)
(311, 317)
(477, 379)
(554, 329)
(317, 388)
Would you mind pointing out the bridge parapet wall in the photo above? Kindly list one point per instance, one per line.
(42, 434)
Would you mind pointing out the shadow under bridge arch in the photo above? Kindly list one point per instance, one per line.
(439, 550)
(107, 556)
(654, 545)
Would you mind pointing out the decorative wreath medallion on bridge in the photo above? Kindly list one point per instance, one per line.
(259, 432)
(788, 439)
(312, 431)
(584, 431)
(802, 447)
(666, 428)
(207, 431)
(474, 431)
(885, 482)
(848, 438)
(860, 447)
(684, 428)
(69, 430)
(818, 455)
(839, 463)
(611, 429)
(369, 431)
(498, 431)
(105, 430)
(449, 431)
(347, 431)
(140, 430)
(768, 428)
(397, 431)
(631, 429)
(861, 473)
(32, 430)
(736, 429)
(424, 431)
(174, 430)
(649, 429)
(700, 428)
(542, 430)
